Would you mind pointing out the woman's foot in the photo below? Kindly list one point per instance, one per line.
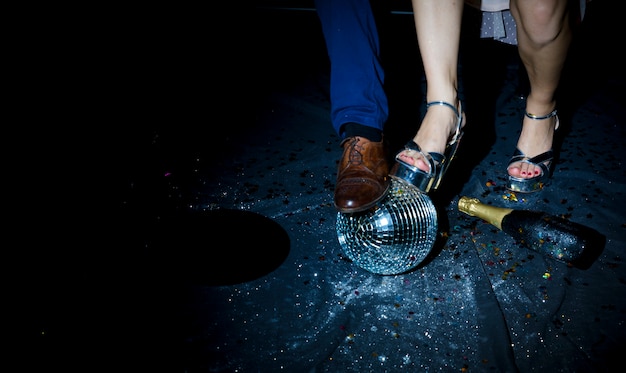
(439, 128)
(425, 159)
(530, 166)
(535, 139)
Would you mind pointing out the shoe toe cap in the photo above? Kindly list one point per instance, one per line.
(359, 194)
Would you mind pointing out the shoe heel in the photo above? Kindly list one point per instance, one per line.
(449, 155)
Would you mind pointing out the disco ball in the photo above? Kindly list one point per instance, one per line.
(394, 236)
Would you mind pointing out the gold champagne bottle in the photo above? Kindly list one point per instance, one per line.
(550, 235)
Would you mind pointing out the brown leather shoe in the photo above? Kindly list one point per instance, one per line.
(362, 176)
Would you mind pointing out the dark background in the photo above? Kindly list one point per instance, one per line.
(150, 89)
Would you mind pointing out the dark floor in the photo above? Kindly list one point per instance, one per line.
(213, 246)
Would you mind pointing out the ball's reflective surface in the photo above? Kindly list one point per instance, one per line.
(394, 236)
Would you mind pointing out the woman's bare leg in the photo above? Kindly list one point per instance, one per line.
(438, 26)
(543, 38)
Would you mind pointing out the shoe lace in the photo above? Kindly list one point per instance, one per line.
(355, 152)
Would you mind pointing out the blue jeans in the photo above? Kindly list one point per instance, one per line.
(356, 76)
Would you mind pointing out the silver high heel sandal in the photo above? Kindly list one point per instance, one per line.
(543, 161)
(437, 163)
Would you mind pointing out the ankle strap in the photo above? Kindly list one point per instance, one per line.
(536, 117)
(459, 116)
(443, 103)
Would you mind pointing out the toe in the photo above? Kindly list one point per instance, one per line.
(524, 170)
(514, 170)
(414, 159)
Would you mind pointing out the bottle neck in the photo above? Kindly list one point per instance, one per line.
(491, 214)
